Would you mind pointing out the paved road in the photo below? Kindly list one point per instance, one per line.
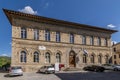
(66, 76)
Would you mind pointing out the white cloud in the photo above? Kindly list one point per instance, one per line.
(4, 54)
(114, 42)
(111, 26)
(28, 9)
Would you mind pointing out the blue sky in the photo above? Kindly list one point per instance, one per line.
(101, 13)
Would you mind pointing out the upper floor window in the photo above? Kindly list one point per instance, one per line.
(57, 36)
(71, 38)
(36, 57)
(114, 49)
(99, 41)
(105, 42)
(91, 40)
(36, 34)
(83, 39)
(23, 56)
(23, 33)
(47, 35)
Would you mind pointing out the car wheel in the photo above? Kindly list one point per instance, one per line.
(115, 69)
(95, 70)
(46, 72)
(21, 75)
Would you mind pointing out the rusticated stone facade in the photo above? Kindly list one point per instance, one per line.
(116, 53)
(78, 45)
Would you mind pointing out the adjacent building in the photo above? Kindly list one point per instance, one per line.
(38, 41)
(116, 54)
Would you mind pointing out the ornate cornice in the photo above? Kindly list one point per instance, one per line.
(15, 14)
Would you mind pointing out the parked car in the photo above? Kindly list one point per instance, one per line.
(14, 71)
(116, 67)
(108, 66)
(95, 68)
(47, 69)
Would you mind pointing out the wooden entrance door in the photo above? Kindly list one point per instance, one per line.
(72, 59)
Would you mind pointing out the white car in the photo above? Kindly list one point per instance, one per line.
(108, 66)
(116, 67)
(14, 71)
(47, 69)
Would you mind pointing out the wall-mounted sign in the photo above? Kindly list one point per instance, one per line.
(42, 48)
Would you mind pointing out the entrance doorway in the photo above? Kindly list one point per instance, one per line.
(72, 59)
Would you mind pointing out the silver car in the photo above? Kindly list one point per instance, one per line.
(108, 66)
(47, 69)
(14, 71)
(117, 68)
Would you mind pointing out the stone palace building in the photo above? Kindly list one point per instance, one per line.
(38, 41)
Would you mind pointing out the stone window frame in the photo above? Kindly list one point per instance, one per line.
(84, 39)
(47, 35)
(23, 57)
(58, 36)
(47, 57)
(36, 34)
(36, 56)
(71, 38)
(23, 32)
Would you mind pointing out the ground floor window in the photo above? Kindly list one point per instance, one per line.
(92, 59)
(47, 57)
(99, 59)
(58, 57)
(84, 58)
(36, 57)
(23, 56)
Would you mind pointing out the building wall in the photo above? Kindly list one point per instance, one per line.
(116, 54)
(64, 47)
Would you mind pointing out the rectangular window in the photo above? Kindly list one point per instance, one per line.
(99, 41)
(57, 36)
(23, 33)
(105, 42)
(47, 35)
(114, 49)
(114, 56)
(83, 39)
(91, 40)
(71, 38)
(36, 34)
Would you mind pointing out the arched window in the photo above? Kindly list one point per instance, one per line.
(106, 59)
(36, 57)
(92, 58)
(58, 57)
(99, 59)
(84, 58)
(23, 56)
(47, 57)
